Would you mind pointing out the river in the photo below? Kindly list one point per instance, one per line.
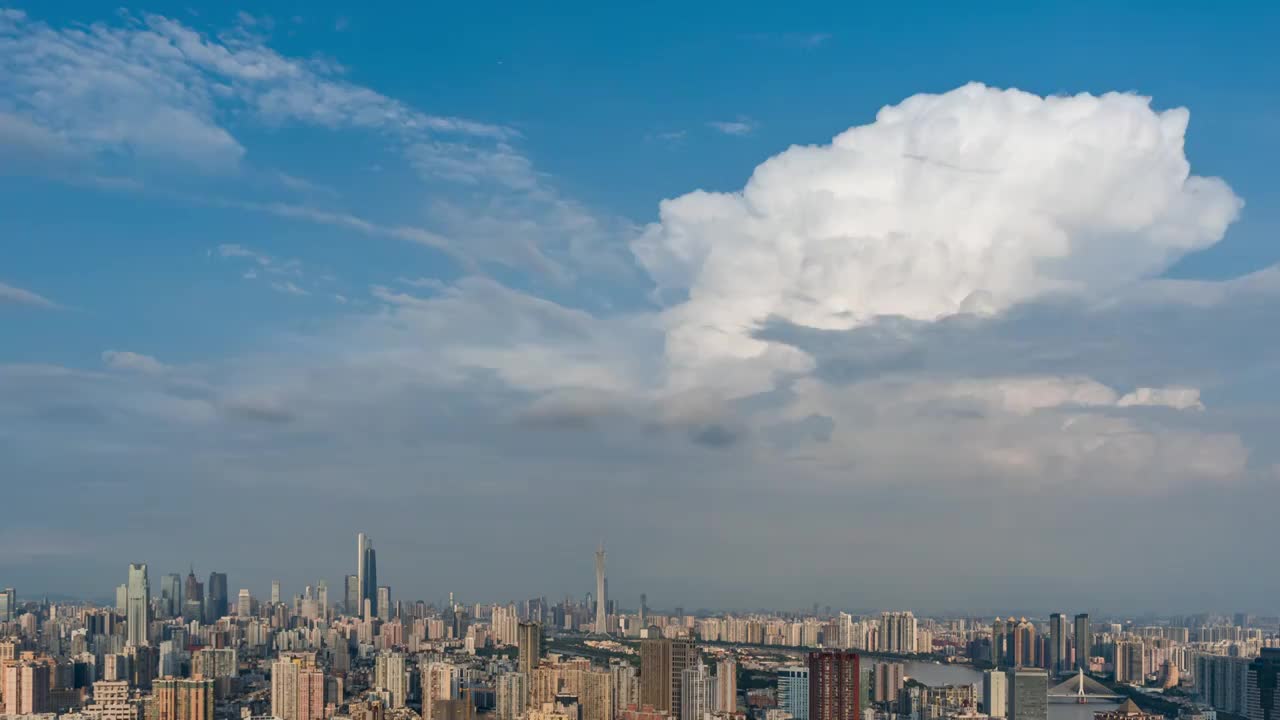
(936, 674)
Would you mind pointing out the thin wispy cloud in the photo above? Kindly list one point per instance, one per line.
(799, 40)
(737, 128)
(18, 296)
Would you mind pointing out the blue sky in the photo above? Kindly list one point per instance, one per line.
(350, 256)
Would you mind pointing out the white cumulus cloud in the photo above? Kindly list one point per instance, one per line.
(968, 201)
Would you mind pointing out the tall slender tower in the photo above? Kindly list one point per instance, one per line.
(137, 604)
(602, 607)
(362, 543)
(370, 590)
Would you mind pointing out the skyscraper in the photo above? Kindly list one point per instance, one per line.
(275, 592)
(529, 644)
(662, 662)
(793, 691)
(390, 676)
(602, 603)
(512, 695)
(1083, 641)
(351, 600)
(8, 604)
(999, 642)
(193, 598)
(137, 604)
(26, 688)
(1058, 643)
(995, 694)
(384, 603)
(889, 680)
(171, 595)
(1262, 689)
(727, 685)
(284, 690)
(1028, 695)
(834, 685)
(368, 576)
(244, 603)
(697, 692)
(897, 632)
(216, 607)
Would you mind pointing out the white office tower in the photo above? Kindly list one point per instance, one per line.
(995, 694)
(697, 693)
(137, 604)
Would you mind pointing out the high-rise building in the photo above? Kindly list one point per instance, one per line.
(602, 603)
(1130, 662)
(26, 688)
(8, 604)
(1083, 641)
(311, 694)
(122, 598)
(727, 685)
(384, 603)
(1058, 633)
(169, 666)
(351, 601)
(322, 597)
(180, 699)
(366, 576)
(999, 642)
(1262, 689)
(192, 598)
(439, 683)
(995, 694)
(512, 691)
(138, 604)
(171, 595)
(362, 546)
(369, 603)
(391, 677)
(275, 592)
(244, 604)
(284, 689)
(1222, 682)
(216, 607)
(889, 678)
(697, 693)
(1024, 644)
(662, 663)
(529, 645)
(793, 691)
(897, 632)
(834, 680)
(1028, 694)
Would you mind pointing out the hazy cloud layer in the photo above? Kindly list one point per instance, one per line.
(936, 350)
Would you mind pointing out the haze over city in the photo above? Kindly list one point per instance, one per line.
(872, 308)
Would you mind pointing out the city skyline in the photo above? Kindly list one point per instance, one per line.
(874, 306)
(896, 626)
